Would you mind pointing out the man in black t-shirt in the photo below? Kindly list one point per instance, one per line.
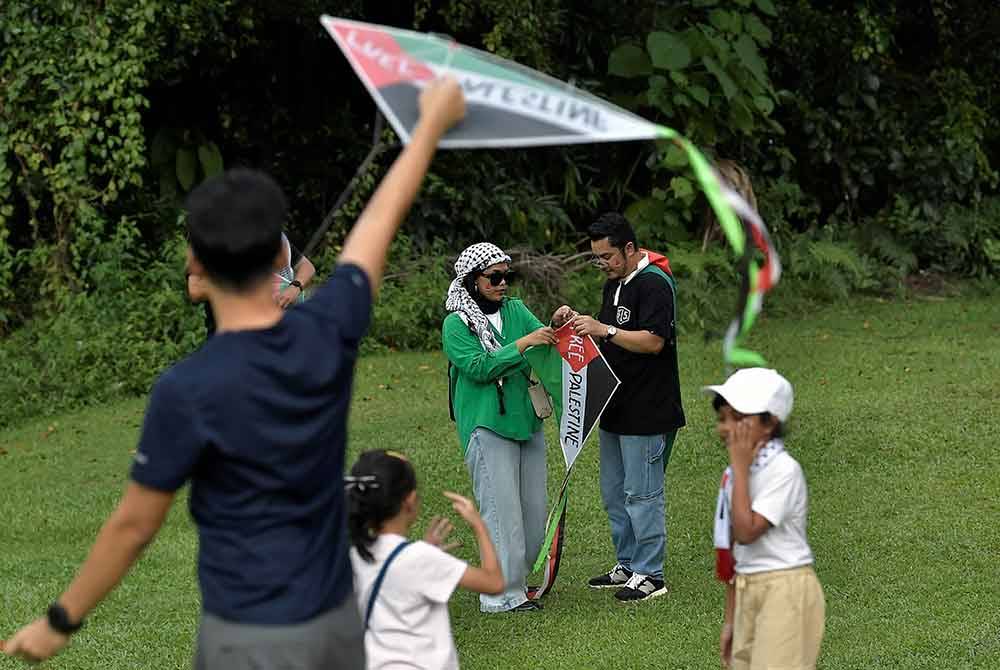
(256, 421)
(637, 431)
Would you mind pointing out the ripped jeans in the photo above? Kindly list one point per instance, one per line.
(633, 474)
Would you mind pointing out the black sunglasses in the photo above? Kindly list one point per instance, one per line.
(498, 277)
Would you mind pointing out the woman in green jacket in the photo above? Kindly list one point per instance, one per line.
(484, 338)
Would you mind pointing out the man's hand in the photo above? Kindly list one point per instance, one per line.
(742, 449)
(288, 296)
(442, 104)
(587, 325)
(562, 315)
(35, 642)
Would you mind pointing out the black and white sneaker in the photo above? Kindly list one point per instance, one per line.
(615, 577)
(641, 587)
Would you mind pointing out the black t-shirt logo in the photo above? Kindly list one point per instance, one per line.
(623, 315)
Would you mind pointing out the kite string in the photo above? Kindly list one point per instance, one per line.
(379, 147)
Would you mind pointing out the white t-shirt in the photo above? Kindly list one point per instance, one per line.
(496, 321)
(778, 493)
(409, 625)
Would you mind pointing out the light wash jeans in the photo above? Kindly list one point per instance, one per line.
(633, 475)
(509, 479)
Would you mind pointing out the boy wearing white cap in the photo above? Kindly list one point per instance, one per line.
(775, 609)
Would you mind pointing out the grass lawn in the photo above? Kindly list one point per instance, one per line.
(896, 425)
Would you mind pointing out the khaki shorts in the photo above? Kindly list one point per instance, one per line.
(779, 619)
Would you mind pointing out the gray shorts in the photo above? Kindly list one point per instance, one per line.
(334, 639)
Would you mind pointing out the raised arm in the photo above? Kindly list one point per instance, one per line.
(488, 577)
(441, 106)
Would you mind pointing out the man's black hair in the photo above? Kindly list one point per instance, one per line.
(615, 227)
(234, 223)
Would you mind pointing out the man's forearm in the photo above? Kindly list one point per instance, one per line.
(305, 271)
(118, 545)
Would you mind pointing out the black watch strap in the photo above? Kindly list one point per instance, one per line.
(60, 622)
(296, 283)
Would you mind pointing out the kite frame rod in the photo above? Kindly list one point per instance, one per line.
(379, 147)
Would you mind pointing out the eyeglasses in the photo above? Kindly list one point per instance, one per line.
(498, 277)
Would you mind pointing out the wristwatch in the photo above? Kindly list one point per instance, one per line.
(59, 620)
(296, 283)
(612, 331)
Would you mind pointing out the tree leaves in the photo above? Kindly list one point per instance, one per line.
(764, 104)
(682, 188)
(210, 158)
(767, 7)
(186, 167)
(751, 60)
(756, 28)
(629, 60)
(729, 88)
(700, 94)
(668, 51)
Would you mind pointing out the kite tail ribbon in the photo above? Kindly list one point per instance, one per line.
(748, 236)
(551, 552)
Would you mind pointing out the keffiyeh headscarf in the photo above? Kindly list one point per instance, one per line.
(476, 258)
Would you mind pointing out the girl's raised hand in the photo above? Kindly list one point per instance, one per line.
(464, 507)
(438, 532)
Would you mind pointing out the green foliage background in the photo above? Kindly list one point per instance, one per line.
(868, 129)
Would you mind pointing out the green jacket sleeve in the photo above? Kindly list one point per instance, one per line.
(466, 353)
(530, 319)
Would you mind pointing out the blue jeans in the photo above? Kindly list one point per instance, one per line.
(633, 475)
(508, 478)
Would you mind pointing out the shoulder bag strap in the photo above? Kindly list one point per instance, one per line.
(381, 576)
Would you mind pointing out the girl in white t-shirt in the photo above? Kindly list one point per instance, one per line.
(775, 610)
(403, 587)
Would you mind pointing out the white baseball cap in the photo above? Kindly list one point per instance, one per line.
(756, 390)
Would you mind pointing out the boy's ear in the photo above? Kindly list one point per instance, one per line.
(193, 265)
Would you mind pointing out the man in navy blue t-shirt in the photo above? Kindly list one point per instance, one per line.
(256, 421)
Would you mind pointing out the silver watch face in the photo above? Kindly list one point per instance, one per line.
(612, 331)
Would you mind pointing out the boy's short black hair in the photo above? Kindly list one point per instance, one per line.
(718, 402)
(615, 227)
(234, 223)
